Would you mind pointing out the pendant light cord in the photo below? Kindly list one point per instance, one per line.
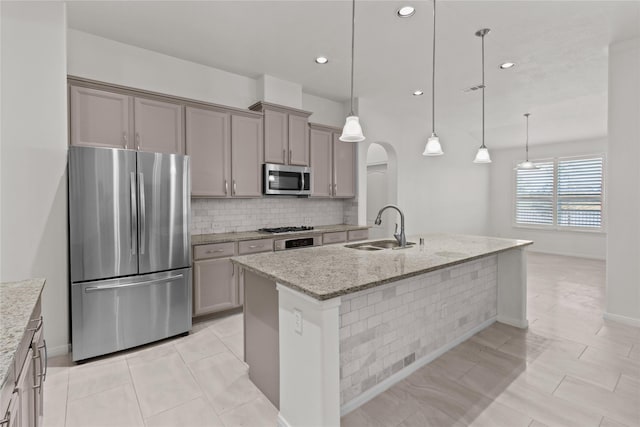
(353, 38)
(483, 146)
(527, 141)
(433, 75)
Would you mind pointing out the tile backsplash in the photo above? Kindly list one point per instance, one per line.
(231, 215)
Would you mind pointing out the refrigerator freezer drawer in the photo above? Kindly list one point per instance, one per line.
(117, 314)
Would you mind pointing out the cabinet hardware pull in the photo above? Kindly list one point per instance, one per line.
(37, 328)
(255, 246)
(284, 155)
(134, 214)
(290, 155)
(234, 187)
(213, 252)
(233, 271)
(143, 214)
(46, 359)
(138, 140)
(124, 139)
(226, 187)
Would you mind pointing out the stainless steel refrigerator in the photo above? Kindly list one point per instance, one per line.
(130, 248)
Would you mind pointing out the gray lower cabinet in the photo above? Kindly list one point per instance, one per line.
(215, 282)
(226, 152)
(25, 408)
(333, 163)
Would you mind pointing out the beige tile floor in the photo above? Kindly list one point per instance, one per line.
(570, 368)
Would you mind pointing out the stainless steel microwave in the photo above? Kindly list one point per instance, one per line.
(286, 180)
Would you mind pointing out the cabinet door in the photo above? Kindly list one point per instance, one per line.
(320, 142)
(99, 118)
(215, 286)
(25, 387)
(38, 345)
(246, 156)
(344, 177)
(13, 411)
(298, 140)
(208, 142)
(158, 126)
(276, 135)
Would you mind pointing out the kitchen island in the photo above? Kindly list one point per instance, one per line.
(328, 328)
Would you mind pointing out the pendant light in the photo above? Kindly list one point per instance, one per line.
(352, 131)
(483, 152)
(527, 165)
(433, 147)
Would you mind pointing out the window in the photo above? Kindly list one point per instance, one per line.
(563, 193)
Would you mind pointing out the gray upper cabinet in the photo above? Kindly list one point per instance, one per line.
(321, 147)
(276, 135)
(298, 140)
(208, 142)
(100, 118)
(246, 156)
(226, 152)
(344, 160)
(333, 163)
(120, 119)
(158, 126)
(286, 138)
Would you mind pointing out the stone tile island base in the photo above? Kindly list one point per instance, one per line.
(337, 354)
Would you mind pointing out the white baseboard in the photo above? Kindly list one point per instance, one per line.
(281, 421)
(59, 350)
(631, 321)
(403, 373)
(517, 323)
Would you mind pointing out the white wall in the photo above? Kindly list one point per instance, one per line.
(437, 194)
(34, 156)
(623, 244)
(502, 199)
(105, 60)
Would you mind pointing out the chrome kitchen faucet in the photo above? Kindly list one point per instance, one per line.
(400, 237)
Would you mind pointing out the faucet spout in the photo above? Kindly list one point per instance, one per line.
(400, 237)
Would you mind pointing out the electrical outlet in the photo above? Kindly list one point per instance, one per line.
(297, 314)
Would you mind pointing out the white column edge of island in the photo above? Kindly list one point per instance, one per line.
(309, 360)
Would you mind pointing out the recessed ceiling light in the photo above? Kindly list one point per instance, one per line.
(321, 60)
(418, 93)
(406, 11)
(507, 65)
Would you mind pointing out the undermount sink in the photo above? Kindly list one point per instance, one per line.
(378, 245)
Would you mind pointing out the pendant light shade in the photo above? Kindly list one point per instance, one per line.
(352, 131)
(433, 147)
(527, 165)
(483, 152)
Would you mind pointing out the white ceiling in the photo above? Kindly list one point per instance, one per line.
(560, 48)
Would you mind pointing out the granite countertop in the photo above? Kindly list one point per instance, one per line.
(203, 239)
(17, 301)
(325, 272)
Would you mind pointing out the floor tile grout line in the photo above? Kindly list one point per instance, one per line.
(583, 351)
(601, 421)
(617, 382)
(135, 391)
(554, 390)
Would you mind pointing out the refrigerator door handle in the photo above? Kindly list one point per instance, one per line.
(143, 216)
(134, 214)
(130, 285)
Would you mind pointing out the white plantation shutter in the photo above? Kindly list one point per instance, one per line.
(579, 193)
(534, 195)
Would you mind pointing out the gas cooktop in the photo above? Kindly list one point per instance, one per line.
(281, 230)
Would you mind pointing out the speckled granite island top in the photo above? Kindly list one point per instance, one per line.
(17, 301)
(329, 271)
(202, 239)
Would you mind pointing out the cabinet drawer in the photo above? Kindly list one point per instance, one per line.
(337, 237)
(255, 246)
(354, 235)
(214, 250)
